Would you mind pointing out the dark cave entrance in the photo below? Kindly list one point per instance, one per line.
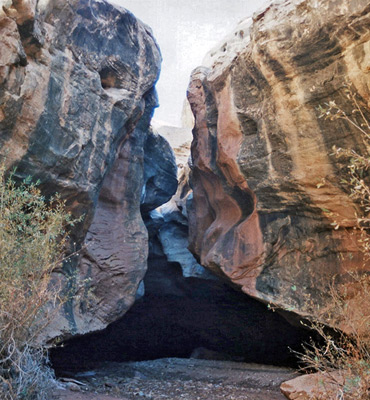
(186, 317)
(185, 310)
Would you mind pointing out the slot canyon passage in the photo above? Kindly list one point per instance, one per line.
(194, 267)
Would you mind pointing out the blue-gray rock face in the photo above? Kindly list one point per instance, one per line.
(75, 78)
(160, 172)
(168, 225)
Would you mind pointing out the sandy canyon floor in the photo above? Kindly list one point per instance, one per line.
(178, 379)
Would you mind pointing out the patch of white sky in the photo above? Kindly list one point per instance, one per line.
(185, 31)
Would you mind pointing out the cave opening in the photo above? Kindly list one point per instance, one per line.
(182, 310)
(186, 317)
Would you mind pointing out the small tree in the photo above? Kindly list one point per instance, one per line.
(32, 241)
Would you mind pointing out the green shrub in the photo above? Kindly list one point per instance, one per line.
(32, 240)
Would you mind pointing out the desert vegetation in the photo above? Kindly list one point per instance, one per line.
(344, 356)
(32, 241)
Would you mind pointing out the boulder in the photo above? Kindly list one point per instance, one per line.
(114, 256)
(314, 386)
(160, 172)
(168, 225)
(75, 79)
(173, 231)
(260, 216)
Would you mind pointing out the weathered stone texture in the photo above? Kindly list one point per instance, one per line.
(160, 173)
(172, 228)
(260, 149)
(75, 78)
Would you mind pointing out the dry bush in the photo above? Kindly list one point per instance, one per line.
(344, 358)
(32, 241)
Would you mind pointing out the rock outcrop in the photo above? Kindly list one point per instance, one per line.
(169, 227)
(260, 151)
(160, 172)
(75, 79)
(313, 386)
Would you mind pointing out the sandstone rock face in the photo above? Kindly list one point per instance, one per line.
(75, 78)
(260, 149)
(115, 259)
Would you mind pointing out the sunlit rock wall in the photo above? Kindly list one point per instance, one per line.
(260, 150)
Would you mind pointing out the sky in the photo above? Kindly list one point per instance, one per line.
(185, 31)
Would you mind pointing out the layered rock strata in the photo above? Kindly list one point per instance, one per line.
(75, 78)
(265, 181)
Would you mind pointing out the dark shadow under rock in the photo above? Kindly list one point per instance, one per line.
(179, 317)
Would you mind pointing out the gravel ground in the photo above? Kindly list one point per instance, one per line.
(179, 379)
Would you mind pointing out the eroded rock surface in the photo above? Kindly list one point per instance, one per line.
(75, 78)
(170, 228)
(260, 150)
(160, 173)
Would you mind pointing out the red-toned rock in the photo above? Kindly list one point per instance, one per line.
(260, 150)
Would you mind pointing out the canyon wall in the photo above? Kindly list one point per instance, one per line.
(76, 78)
(266, 184)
